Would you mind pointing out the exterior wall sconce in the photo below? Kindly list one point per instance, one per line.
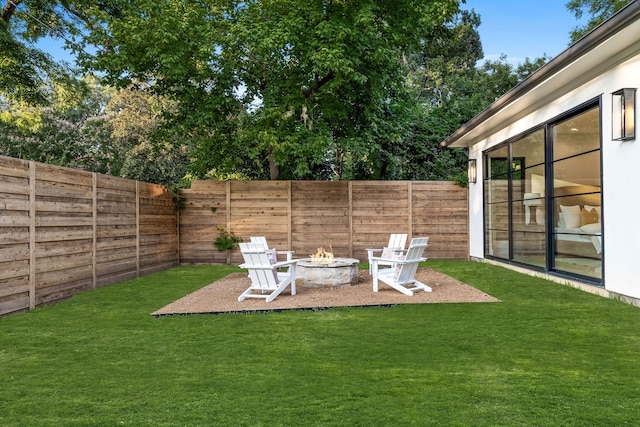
(472, 171)
(623, 115)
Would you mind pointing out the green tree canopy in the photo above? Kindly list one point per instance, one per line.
(294, 87)
(288, 89)
(26, 72)
(597, 11)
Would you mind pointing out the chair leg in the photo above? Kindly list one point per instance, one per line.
(374, 273)
(422, 286)
(401, 289)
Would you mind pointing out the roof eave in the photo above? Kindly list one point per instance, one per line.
(607, 29)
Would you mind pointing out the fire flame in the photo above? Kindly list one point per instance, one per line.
(322, 256)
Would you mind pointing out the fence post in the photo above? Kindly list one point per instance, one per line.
(289, 218)
(350, 197)
(137, 228)
(94, 225)
(228, 213)
(32, 235)
(410, 209)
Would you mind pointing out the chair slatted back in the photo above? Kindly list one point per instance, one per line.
(254, 254)
(261, 240)
(397, 241)
(414, 253)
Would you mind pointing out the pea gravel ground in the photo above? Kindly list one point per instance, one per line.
(222, 296)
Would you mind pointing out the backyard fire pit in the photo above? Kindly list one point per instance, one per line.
(324, 270)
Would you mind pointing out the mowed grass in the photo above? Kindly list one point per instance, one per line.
(547, 355)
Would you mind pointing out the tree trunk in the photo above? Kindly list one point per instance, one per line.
(273, 167)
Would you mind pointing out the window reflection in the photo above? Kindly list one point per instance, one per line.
(528, 206)
(577, 222)
(517, 206)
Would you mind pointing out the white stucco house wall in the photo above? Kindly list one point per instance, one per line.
(579, 86)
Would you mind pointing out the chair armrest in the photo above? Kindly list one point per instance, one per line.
(371, 251)
(410, 261)
(289, 254)
(269, 266)
(285, 263)
(257, 266)
(377, 259)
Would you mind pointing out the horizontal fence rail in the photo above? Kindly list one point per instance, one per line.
(63, 231)
(347, 216)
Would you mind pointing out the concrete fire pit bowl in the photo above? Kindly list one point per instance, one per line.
(340, 272)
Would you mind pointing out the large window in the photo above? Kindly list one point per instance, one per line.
(577, 229)
(542, 197)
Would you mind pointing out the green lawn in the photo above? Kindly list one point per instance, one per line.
(547, 355)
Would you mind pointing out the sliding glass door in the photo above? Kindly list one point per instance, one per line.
(542, 197)
(576, 195)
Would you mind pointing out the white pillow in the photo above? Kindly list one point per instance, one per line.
(387, 253)
(561, 222)
(391, 253)
(273, 256)
(572, 215)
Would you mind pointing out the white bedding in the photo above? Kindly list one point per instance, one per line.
(587, 233)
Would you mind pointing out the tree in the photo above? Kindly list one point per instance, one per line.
(56, 137)
(147, 152)
(300, 86)
(97, 129)
(321, 89)
(444, 82)
(597, 10)
(451, 89)
(72, 131)
(26, 72)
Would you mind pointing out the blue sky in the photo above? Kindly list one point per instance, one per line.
(516, 28)
(521, 29)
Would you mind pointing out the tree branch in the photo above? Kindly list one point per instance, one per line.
(8, 9)
(317, 84)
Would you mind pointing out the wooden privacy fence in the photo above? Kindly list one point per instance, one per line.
(63, 231)
(348, 216)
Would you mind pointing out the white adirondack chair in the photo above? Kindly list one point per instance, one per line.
(401, 276)
(394, 249)
(266, 280)
(263, 241)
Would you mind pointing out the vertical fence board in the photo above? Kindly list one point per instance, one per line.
(32, 235)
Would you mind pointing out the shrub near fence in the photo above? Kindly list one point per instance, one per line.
(348, 216)
(63, 231)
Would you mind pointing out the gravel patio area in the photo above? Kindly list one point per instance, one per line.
(222, 296)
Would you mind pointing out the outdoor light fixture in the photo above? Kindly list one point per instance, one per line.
(472, 171)
(623, 115)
